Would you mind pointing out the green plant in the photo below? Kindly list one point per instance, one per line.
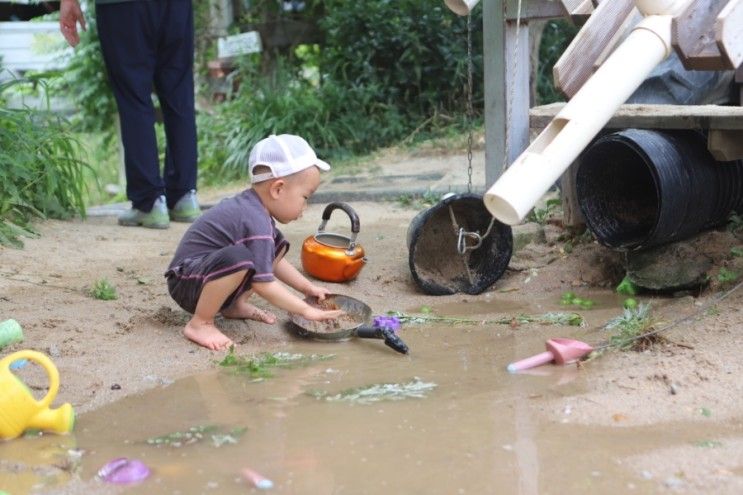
(735, 223)
(552, 318)
(630, 325)
(542, 215)
(196, 434)
(41, 170)
(412, 52)
(419, 202)
(626, 287)
(103, 290)
(737, 251)
(260, 366)
(86, 83)
(337, 121)
(630, 303)
(726, 276)
(415, 389)
(556, 36)
(571, 299)
(712, 311)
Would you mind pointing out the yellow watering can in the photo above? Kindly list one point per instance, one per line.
(19, 410)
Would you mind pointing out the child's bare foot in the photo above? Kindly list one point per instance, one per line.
(206, 334)
(244, 310)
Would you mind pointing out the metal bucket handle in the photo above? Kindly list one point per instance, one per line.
(355, 223)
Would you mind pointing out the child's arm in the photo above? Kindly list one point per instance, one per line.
(286, 272)
(278, 295)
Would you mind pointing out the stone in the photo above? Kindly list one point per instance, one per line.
(672, 267)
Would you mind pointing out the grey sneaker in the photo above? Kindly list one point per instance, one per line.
(157, 218)
(187, 208)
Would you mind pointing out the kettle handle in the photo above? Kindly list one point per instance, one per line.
(43, 361)
(337, 205)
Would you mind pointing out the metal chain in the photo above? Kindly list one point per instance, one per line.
(470, 109)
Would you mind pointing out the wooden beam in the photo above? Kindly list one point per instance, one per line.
(629, 23)
(533, 9)
(578, 10)
(575, 65)
(693, 36)
(655, 116)
(729, 33)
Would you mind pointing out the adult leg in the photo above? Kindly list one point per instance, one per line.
(175, 89)
(128, 40)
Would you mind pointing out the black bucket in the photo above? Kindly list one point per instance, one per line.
(435, 262)
(640, 188)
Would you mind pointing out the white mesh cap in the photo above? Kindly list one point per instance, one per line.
(284, 154)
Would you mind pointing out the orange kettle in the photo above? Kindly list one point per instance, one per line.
(334, 257)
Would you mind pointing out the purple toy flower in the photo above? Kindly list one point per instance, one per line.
(123, 471)
(389, 322)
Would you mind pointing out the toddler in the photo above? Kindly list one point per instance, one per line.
(234, 249)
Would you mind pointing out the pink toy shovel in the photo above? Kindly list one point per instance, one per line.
(559, 350)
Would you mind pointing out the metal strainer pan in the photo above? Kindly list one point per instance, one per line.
(355, 323)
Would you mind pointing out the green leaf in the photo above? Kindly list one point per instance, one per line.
(626, 287)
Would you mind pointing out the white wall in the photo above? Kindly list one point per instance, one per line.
(31, 46)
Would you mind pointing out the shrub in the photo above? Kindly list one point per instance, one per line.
(412, 52)
(41, 173)
(387, 70)
(556, 37)
(337, 121)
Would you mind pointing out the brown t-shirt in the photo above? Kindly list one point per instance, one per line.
(241, 219)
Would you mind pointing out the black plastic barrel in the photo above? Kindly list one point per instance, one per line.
(435, 263)
(639, 188)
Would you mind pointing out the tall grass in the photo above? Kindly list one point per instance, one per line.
(337, 121)
(41, 171)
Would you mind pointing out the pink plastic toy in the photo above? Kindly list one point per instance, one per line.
(560, 351)
(257, 479)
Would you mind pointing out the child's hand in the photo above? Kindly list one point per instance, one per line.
(317, 314)
(319, 292)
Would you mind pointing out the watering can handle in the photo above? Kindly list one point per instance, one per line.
(337, 205)
(43, 361)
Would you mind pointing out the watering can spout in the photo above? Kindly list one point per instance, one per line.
(60, 420)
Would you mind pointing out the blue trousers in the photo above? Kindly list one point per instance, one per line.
(148, 45)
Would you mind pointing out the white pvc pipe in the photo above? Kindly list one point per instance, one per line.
(661, 7)
(559, 144)
(531, 175)
(461, 7)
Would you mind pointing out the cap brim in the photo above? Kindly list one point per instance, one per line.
(322, 165)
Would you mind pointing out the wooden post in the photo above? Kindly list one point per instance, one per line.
(506, 60)
(507, 70)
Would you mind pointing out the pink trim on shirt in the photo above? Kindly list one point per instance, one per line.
(254, 238)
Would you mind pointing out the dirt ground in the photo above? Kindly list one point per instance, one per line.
(106, 350)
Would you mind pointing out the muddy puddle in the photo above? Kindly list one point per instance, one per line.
(464, 425)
